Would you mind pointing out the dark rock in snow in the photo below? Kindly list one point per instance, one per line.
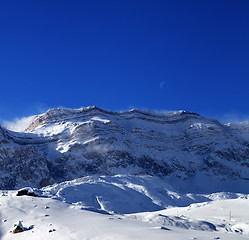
(18, 227)
(26, 192)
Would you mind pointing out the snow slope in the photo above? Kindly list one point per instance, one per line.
(125, 194)
(227, 216)
(48, 218)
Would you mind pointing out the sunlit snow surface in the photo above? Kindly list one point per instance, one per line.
(123, 207)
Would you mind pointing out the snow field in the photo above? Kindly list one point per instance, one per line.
(52, 219)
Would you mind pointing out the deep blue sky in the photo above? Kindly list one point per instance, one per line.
(162, 55)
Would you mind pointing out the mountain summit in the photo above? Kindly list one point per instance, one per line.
(64, 144)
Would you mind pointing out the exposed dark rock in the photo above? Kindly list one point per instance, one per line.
(26, 192)
(18, 228)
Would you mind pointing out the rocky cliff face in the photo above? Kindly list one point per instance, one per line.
(64, 144)
(21, 164)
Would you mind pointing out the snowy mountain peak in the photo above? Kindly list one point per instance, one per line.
(73, 143)
(61, 114)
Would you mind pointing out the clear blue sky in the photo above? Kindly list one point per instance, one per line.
(162, 55)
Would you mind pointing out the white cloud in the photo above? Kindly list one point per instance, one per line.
(232, 117)
(19, 124)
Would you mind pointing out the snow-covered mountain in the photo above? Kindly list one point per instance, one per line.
(136, 174)
(65, 144)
